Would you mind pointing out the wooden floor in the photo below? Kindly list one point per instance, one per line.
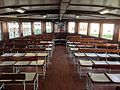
(62, 75)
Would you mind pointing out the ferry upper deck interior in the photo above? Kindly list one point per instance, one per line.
(59, 44)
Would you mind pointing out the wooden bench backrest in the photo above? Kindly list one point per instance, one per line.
(27, 49)
(100, 50)
(12, 76)
(111, 67)
(80, 39)
(89, 41)
(100, 45)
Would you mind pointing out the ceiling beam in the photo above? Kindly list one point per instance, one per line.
(63, 7)
(35, 12)
(80, 12)
(59, 8)
(55, 11)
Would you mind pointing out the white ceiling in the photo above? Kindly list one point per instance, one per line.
(60, 9)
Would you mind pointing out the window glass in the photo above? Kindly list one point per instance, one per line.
(37, 28)
(94, 29)
(60, 27)
(26, 28)
(82, 29)
(108, 31)
(71, 27)
(13, 30)
(48, 27)
(0, 31)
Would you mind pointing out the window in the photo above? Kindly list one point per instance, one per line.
(37, 28)
(94, 29)
(13, 30)
(71, 27)
(48, 27)
(60, 27)
(82, 29)
(119, 35)
(26, 28)
(108, 31)
(0, 31)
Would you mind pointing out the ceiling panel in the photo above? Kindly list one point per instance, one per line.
(80, 1)
(45, 1)
(64, 5)
(65, 0)
(1, 3)
(84, 8)
(9, 2)
(97, 2)
(28, 2)
(44, 7)
(60, 8)
(51, 15)
(69, 16)
(112, 3)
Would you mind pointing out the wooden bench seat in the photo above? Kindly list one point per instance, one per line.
(85, 66)
(19, 79)
(102, 79)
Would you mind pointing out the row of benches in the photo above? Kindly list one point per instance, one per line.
(24, 59)
(23, 62)
(85, 54)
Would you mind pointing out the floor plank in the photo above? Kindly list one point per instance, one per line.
(61, 75)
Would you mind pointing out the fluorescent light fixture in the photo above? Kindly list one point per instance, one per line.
(20, 10)
(44, 16)
(104, 11)
(77, 16)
